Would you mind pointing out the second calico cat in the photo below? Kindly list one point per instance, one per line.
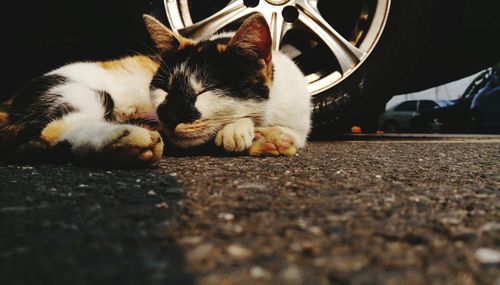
(230, 89)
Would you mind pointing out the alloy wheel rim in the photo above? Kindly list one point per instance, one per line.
(348, 54)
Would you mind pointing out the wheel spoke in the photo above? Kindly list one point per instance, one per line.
(346, 53)
(278, 28)
(234, 11)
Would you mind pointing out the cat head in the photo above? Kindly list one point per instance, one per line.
(208, 84)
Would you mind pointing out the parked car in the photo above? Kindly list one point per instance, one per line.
(485, 107)
(476, 111)
(355, 54)
(400, 118)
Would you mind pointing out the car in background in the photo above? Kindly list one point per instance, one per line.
(476, 111)
(485, 108)
(400, 118)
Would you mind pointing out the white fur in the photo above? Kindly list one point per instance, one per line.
(128, 89)
(237, 136)
(222, 35)
(219, 107)
(289, 104)
(89, 135)
(197, 85)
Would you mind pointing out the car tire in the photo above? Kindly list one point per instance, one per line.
(476, 126)
(362, 98)
(390, 127)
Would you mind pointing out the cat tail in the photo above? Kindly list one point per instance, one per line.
(3, 113)
(4, 121)
(7, 133)
(4, 117)
(17, 142)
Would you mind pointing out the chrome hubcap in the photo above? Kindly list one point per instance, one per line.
(277, 2)
(335, 55)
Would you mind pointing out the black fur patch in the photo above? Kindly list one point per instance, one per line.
(30, 103)
(33, 107)
(108, 103)
(150, 124)
(239, 75)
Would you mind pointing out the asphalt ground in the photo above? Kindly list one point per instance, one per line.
(356, 210)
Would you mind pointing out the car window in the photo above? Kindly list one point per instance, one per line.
(408, 106)
(426, 105)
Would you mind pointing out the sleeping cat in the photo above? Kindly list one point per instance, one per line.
(230, 89)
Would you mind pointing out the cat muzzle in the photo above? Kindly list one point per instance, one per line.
(192, 130)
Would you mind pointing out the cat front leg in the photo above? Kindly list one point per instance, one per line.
(275, 141)
(104, 142)
(237, 136)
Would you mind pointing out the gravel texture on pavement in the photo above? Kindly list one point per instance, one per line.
(345, 212)
(73, 225)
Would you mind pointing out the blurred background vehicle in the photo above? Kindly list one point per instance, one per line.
(356, 54)
(476, 111)
(400, 118)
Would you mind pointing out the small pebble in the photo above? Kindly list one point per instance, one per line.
(226, 216)
(162, 205)
(315, 230)
(258, 272)
(151, 193)
(239, 252)
(200, 253)
(238, 229)
(292, 275)
(489, 227)
(191, 240)
(488, 256)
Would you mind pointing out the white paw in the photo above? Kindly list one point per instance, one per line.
(134, 145)
(237, 136)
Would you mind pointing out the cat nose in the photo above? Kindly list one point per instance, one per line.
(172, 115)
(171, 120)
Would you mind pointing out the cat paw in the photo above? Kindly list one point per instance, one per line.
(272, 142)
(131, 146)
(237, 136)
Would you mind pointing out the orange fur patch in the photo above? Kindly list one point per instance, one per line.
(132, 64)
(267, 73)
(184, 42)
(170, 81)
(53, 132)
(4, 117)
(8, 132)
(147, 63)
(221, 48)
(254, 38)
(164, 38)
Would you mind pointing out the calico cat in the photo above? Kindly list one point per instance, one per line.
(230, 89)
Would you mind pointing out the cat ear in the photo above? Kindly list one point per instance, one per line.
(254, 38)
(164, 38)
